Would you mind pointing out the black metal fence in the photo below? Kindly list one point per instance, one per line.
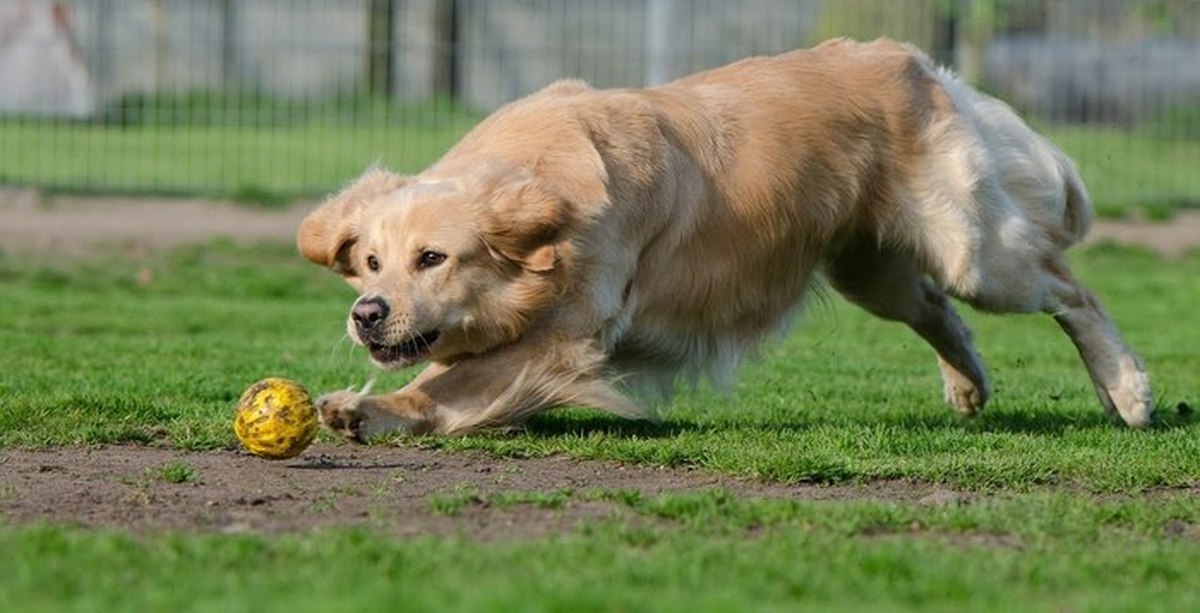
(1113, 79)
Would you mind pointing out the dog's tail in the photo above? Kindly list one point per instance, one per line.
(1077, 216)
(572, 376)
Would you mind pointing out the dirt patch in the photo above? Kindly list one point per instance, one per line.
(404, 491)
(1171, 238)
(76, 224)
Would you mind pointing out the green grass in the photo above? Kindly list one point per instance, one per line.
(266, 152)
(705, 551)
(1072, 517)
(260, 163)
(177, 472)
(91, 356)
(1125, 169)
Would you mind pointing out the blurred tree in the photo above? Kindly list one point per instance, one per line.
(1171, 17)
(954, 32)
(907, 20)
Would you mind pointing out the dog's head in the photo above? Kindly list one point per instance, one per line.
(444, 268)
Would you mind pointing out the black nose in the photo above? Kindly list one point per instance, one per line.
(368, 313)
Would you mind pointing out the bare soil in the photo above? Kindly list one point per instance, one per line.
(77, 225)
(401, 490)
(391, 488)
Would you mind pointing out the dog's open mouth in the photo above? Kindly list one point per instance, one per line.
(408, 351)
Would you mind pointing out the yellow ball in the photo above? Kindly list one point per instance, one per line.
(275, 419)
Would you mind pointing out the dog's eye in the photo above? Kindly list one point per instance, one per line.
(429, 259)
(373, 263)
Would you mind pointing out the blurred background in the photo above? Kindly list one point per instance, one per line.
(270, 100)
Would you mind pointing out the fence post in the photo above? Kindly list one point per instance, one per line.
(158, 20)
(946, 17)
(445, 48)
(381, 30)
(975, 28)
(228, 44)
(102, 56)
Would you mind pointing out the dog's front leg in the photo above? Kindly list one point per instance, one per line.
(496, 390)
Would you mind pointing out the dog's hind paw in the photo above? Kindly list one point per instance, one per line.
(963, 394)
(1131, 395)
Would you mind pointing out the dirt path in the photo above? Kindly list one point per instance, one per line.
(74, 224)
(391, 488)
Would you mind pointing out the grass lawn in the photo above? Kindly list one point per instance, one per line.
(1126, 169)
(156, 349)
(273, 163)
(702, 552)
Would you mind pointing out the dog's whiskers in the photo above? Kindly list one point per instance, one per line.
(337, 345)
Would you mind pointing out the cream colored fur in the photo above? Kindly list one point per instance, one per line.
(584, 237)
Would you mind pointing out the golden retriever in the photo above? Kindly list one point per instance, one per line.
(579, 242)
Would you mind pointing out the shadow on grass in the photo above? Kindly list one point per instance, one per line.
(325, 463)
(580, 424)
(1055, 423)
(1048, 423)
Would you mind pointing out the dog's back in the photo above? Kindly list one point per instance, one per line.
(780, 162)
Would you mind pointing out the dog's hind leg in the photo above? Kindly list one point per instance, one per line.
(1117, 373)
(889, 284)
(1011, 215)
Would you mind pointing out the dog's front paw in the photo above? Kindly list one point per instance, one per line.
(340, 412)
(358, 417)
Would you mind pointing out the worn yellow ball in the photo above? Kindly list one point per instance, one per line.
(275, 419)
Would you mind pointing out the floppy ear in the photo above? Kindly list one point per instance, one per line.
(523, 223)
(328, 234)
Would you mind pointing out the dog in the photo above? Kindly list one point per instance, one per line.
(579, 244)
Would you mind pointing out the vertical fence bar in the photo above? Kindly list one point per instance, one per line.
(445, 48)
(228, 44)
(381, 31)
(101, 64)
